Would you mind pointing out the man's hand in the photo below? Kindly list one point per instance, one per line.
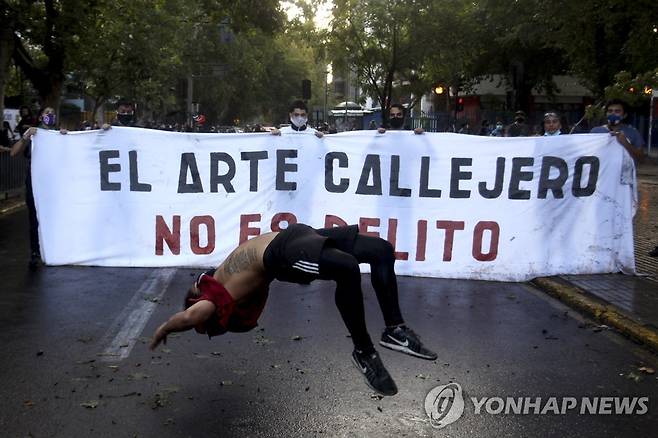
(63, 131)
(5, 149)
(275, 131)
(106, 126)
(319, 134)
(27, 136)
(621, 138)
(381, 130)
(159, 336)
(419, 130)
(634, 152)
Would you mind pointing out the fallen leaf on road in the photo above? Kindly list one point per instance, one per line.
(421, 376)
(225, 383)
(166, 350)
(379, 409)
(107, 354)
(91, 404)
(138, 376)
(168, 421)
(28, 403)
(646, 370)
(216, 353)
(633, 376)
(376, 396)
(296, 338)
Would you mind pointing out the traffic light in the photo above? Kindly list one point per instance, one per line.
(306, 89)
(438, 89)
(460, 104)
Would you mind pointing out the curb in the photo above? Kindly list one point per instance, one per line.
(603, 312)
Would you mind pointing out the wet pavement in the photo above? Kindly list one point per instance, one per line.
(292, 376)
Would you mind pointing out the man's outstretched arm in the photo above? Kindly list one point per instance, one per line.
(182, 321)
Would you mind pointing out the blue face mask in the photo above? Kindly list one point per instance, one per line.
(548, 134)
(48, 119)
(614, 119)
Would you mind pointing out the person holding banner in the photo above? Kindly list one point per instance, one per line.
(47, 120)
(298, 116)
(627, 136)
(396, 119)
(232, 297)
(552, 124)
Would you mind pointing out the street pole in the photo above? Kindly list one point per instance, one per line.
(326, 92)
(190, 96)
(654, 93)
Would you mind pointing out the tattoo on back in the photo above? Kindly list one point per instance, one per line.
(240, 260)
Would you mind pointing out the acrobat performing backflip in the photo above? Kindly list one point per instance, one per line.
(232, 297)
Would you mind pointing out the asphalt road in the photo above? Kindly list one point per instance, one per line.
(63, 375)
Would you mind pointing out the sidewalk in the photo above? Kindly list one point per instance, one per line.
(624, 302)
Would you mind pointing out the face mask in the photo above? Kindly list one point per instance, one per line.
(548, 134)
(396, 122)
(299, 121)
(125, 119)
(48, 119)
(499, 126)
(614, 119)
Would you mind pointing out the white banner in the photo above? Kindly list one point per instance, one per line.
(454, 206)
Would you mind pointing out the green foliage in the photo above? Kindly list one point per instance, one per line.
(247, 60)
(636, 90)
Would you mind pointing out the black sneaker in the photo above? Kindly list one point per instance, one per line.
(376, 375)
(404, 339)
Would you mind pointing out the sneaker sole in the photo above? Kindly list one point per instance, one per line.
(358, 367)
(406, 350)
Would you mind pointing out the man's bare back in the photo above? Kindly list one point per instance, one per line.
(243, 272)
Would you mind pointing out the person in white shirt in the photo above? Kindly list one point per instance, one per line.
(298, 115)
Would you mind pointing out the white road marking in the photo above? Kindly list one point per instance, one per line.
(127, 327)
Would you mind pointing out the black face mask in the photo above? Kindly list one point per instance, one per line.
(126, 119)
(396, 122)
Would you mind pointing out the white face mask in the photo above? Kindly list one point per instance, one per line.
(299, 121)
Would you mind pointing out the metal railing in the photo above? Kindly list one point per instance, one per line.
(12, 174)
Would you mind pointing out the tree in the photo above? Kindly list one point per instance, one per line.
(382, 42)
(42, 32)
(131, 50)
(601, 38)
